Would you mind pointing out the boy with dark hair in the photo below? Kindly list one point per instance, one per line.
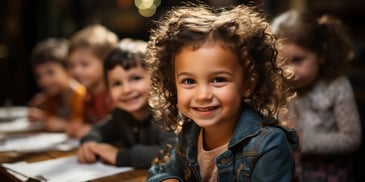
(60, 103)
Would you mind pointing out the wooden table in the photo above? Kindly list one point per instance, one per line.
(137, 175)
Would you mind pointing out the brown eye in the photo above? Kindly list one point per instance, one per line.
(50, 72)
(84, 64)
(219, 80)
(297, 59)
(136, 78)
(116, 84)
(188, 81)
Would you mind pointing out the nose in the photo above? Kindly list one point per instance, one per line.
(77, 70)
(126, 89)
(44, 82)
(74, 71)
(203, 93)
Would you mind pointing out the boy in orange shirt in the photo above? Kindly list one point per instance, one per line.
(88, 48)
(61, 102)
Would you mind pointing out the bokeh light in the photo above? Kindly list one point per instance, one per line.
(147, 8)
(147, 12)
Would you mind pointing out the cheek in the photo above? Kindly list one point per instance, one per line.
(50, 79)
(76, 71)
(95, 71)
(230, 96)
(41, 81)
(183, 97)
(145, 86)
(71, 71)
(91, 71)
(309, 69)
(97, 66)
(115, 94)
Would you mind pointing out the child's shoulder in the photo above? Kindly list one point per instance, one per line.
(331, 90)
(77, 88)
(341, 82)
(270, 137)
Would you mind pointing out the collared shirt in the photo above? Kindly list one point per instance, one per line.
(97, 107)
(68, 105)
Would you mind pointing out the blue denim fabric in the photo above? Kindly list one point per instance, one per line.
(258, 151)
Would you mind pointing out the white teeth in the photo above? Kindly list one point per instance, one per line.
(133, 98)
(206, 109)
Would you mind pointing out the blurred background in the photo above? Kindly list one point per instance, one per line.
(25, 22)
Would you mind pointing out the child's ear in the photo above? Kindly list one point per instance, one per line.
(249, 86)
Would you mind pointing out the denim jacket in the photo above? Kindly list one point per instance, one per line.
(259, 150)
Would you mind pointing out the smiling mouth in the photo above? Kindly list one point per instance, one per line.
(131, 99)
(205, 109)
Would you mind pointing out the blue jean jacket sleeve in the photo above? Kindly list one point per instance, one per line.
(275, 159)
(171, 170)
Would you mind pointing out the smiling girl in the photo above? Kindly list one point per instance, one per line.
(216, 79)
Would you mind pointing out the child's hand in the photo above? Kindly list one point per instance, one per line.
(55, 124)
(77, 129)
(106, 152)
(35, 114)
(37, 100)
(86, 154)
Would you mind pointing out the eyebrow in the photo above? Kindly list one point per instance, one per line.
(213, 73)
(183, 74)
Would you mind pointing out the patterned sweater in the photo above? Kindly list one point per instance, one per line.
(329, 121)
(328, 118)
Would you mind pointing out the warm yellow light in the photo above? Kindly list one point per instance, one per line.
(144, 4)
(147, 12)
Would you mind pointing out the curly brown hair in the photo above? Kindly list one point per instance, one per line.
(325, 36)
(242, 29)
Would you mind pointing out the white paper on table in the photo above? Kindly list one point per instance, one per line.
(13, 112)
(20, 125)
(38, 142)
(66, 169)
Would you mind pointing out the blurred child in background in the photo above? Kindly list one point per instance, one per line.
(61, 100)
(88, 49)
(325, 112)
(130, 124)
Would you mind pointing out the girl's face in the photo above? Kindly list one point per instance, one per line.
(304, 63)
(51, 77)
(86, 68)
(129, 89)
(210, 86)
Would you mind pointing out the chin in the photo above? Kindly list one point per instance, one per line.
(83, 82)
(86, 84)
(205, 123)
(129, 108)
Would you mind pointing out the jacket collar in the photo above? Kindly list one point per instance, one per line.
(248, 125)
